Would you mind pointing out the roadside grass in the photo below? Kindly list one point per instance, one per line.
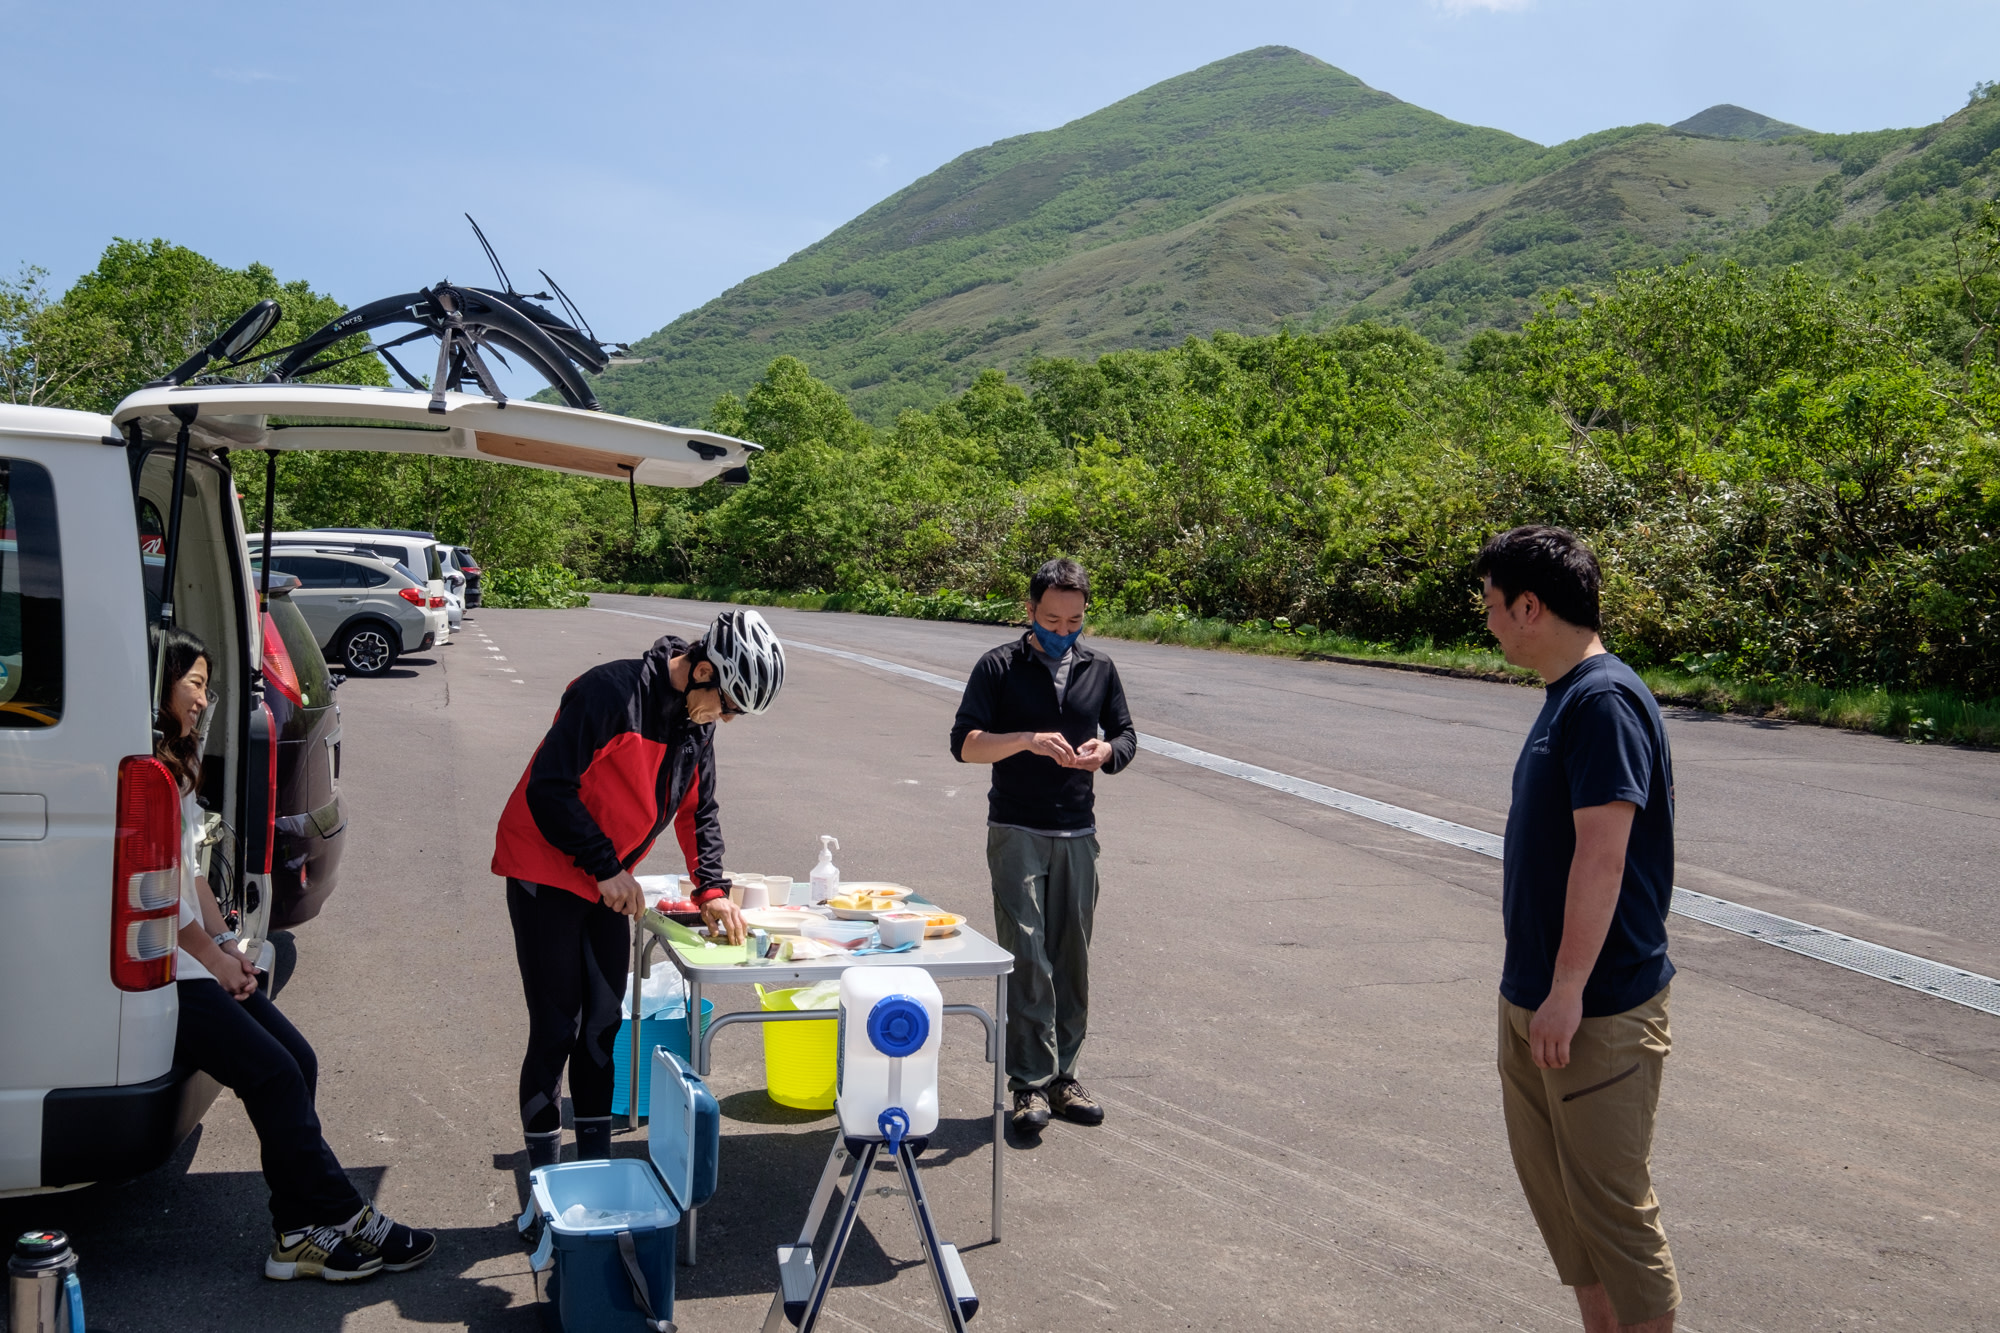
(874, 600)
(1917, 716)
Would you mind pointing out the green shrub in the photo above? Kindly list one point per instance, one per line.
(547, 586)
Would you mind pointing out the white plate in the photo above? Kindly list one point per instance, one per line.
(873, 888)
(779, 920)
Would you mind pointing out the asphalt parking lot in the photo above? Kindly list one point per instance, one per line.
(1292, 1021)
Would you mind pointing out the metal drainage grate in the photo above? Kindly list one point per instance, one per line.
(1891, 965)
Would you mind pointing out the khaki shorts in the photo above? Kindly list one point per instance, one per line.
(1582, 1139)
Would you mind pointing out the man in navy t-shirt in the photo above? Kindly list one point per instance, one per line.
(1588, 879)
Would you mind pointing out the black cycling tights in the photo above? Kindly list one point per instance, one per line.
(574, 956)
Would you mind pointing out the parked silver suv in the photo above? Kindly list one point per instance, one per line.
(363, 610)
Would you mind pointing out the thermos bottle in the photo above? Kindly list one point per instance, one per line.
(40, 1273)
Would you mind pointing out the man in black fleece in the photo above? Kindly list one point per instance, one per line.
(1047, 713)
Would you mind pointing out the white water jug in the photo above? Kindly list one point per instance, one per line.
(891, 1025)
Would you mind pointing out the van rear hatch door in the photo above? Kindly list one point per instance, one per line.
(399, 421)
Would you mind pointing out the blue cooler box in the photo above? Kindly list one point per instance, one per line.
(613, 1268)
(671, 1033)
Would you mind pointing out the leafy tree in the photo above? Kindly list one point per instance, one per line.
(50, 353)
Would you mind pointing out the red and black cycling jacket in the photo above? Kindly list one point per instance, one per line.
(619, 761)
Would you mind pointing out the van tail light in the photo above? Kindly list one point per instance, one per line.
(261, 759)
(145, 875)
(437, 603)
(414, 596)
(278, 669)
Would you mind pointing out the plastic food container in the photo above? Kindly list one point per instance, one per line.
(900, 928)
(838, 932)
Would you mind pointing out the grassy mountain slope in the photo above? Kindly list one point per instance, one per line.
(1734, 122)
(1271, 188)
(1653, 199)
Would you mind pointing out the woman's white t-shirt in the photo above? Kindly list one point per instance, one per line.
(185, 966)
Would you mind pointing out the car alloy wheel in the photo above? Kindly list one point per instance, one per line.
(368, 652)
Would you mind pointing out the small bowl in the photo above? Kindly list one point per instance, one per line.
(943, 928)
(899, 928)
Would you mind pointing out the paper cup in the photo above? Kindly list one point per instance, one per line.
(780, 887)
(756, 896)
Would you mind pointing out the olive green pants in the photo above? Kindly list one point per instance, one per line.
(1044, 895)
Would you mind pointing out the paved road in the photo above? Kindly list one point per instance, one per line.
(1293, 1032)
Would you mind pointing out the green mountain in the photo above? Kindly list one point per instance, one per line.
(1266, 189)
(1735, 122)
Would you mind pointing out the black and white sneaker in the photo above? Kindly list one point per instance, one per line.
(402, 1248)
(327, 1253)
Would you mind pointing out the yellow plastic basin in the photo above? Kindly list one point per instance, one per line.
(800, 1059)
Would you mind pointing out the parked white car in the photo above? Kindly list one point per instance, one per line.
(420, 552)
(110, 523)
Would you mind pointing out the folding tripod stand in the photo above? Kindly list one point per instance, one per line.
(802, 1291)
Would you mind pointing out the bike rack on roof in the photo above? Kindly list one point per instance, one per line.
(469, 323)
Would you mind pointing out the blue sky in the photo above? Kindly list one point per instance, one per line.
(649, 156)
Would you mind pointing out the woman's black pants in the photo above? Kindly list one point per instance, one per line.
(251, 1048)
(574, 955)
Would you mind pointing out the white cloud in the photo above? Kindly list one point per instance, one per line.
(1456, 7)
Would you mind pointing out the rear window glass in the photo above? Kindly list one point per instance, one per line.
(308, 664)
(312, 571)
(31, 628)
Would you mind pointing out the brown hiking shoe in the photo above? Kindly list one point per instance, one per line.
(1071, 1102)
(1031, 1110)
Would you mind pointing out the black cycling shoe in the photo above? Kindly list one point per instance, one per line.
(1031, 1110)
(1072, 1103)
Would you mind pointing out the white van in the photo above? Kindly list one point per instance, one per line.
(107, 524)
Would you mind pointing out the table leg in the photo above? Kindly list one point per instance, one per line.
(638, 963)
(999, 1093)
(697, 1057)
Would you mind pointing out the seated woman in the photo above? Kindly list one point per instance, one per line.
(230, 1030)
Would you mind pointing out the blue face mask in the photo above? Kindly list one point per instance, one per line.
(1054, 644)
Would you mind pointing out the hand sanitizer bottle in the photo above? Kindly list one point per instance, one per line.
(825, 874)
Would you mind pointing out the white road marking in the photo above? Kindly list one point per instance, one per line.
(1926, 976)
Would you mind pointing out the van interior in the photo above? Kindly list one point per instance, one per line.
(210, 602)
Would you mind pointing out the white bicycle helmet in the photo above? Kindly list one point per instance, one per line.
(748, 659)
